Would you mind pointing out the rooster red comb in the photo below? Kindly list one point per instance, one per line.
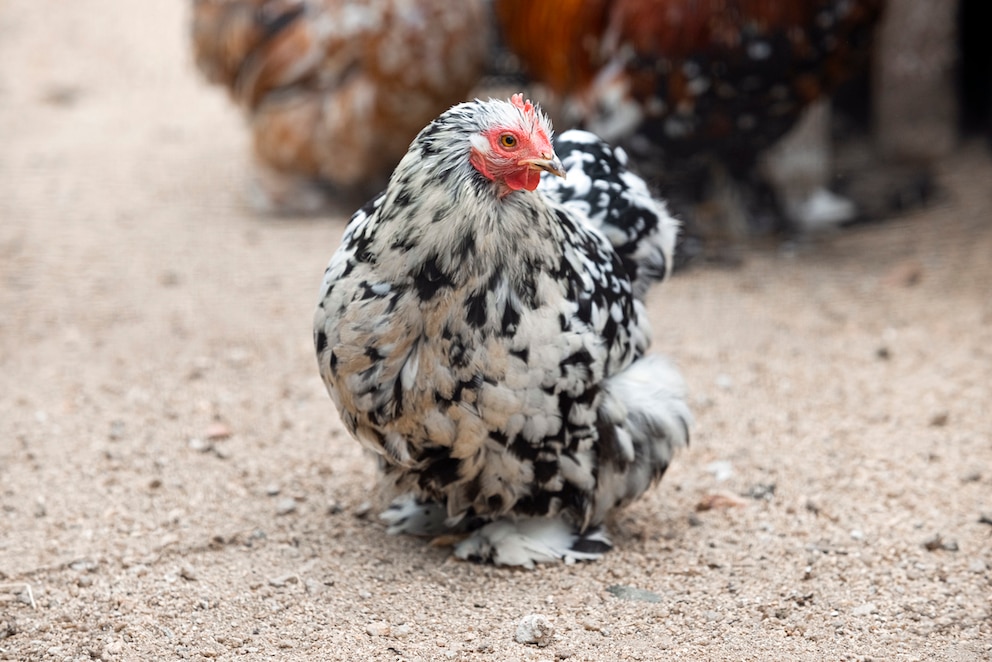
(526, 107)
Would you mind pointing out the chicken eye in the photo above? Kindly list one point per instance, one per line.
(508, 140)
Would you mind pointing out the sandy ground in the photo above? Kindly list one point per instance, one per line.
(842, 392)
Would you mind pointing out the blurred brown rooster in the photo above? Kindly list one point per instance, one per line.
(695, 89)
(335, 90)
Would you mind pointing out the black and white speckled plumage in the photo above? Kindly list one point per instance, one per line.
(490, 348)
(617, 202)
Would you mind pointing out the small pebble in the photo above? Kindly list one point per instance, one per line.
(718, 500)
(116, 430)
(200, 445)
(377, 629)
(592, 625)
(282, 580)
(938, 543)
(865, 609)
(285, 506)
(762, 491)
(631, 593)
(83, 565)
(25, 597)
(939, 419)
(721, 470)
(534, 629)
(217, 430)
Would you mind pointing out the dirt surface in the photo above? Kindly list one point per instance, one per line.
(174, 482)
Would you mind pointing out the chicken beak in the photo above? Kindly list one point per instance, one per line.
(550, 163)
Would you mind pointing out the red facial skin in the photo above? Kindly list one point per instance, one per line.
(506, 163)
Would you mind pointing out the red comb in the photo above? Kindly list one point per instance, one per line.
(526, 106)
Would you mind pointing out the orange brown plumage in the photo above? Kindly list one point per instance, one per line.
(334, 91)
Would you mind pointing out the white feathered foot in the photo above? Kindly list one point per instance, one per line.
(528, 540)
(412, 516)
(521, 541)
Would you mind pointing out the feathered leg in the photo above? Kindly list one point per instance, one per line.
(519, 542)
(525, 541)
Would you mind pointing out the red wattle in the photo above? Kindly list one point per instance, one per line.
(525, 178)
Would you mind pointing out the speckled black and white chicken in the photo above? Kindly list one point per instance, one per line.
(698, 90)
(481, 330)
